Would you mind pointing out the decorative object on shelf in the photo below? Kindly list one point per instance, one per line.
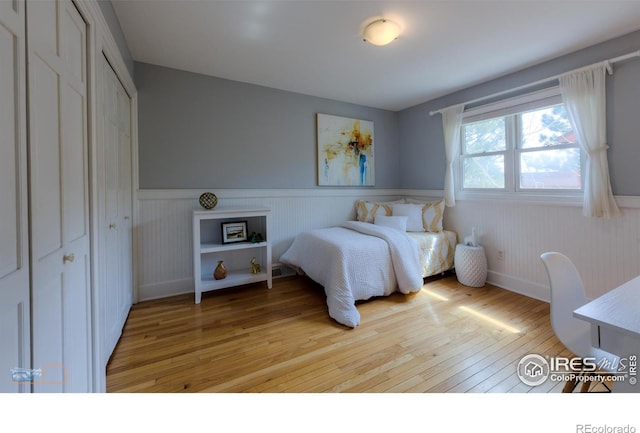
(255, 238)
(208, 200)
(255, 267)
(234, 232)
(220, 273)
(345, 151)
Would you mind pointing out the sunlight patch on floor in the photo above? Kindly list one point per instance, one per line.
(434, 294)
(490, 319)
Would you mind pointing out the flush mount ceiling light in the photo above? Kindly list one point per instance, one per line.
(381, 32)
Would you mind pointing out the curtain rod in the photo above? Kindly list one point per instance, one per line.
(545, 80)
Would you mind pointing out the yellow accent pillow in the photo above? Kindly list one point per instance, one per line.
(366, 211)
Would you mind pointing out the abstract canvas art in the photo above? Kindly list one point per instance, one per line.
(345, 151)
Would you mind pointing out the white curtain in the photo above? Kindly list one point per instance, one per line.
(451, 123)
(584, 96)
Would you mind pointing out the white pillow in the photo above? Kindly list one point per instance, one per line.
(432, 214)
(395, 222)
(413, 212)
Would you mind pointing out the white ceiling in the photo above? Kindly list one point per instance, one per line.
(316, 48)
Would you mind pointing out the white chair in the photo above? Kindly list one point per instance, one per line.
(567, 294)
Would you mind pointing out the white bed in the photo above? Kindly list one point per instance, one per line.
(358, 260)
(436, 251)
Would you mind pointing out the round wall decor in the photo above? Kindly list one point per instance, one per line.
(208, 200)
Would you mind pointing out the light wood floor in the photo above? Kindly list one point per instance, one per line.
(445, 338)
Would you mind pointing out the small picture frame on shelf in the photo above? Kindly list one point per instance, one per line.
(234, 232)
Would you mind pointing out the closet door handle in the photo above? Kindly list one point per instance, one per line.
(68, 258)
(112, 226)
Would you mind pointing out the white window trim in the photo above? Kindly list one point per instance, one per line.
(507, 107)
(513, 105)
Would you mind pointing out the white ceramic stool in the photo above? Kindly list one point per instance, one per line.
(471, 265)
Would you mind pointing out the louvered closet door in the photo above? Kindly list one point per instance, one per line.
(14, 254)
(59, 196)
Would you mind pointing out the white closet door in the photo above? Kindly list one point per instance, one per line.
(115, 209)
(59, 196)
(125, 197)
(14, 258)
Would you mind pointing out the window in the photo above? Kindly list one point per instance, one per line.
(525, 144)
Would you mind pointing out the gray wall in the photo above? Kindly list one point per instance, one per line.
(197, 131)
(114, 25)
(421, 136)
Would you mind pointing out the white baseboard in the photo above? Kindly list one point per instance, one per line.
(507, 282)
(180, 287)
(517, 285)
(165, 289)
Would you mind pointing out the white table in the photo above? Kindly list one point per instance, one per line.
(615, 324)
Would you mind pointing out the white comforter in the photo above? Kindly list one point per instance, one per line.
(356, 261)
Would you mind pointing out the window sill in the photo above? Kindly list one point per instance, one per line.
(573, 200)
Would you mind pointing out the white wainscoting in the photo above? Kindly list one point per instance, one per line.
(606, 252)
(164, 257)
